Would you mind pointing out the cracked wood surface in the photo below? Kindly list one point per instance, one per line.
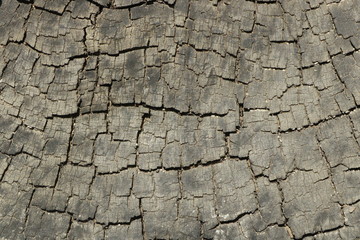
(179, 119)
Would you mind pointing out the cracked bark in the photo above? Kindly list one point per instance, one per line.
(171, 119)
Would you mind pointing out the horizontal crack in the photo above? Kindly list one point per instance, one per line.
(320, 121)
(169, 109)
(319, 232)
(98, 53)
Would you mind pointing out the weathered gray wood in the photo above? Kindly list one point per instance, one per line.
(179, 119)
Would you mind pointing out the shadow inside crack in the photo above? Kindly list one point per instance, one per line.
(23, 1)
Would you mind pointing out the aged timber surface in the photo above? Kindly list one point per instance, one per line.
(179, 119)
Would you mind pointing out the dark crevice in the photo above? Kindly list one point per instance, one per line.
(350, 204)
(180, 168)
(318, 122)
(142, 220)
(237, 218)
(262, 1)
(319, 232)
(24, 1)
(144, 117)
(69, 227)
(126, 223)
(97, 4)
(352, 169)
(48, 10)
(170, 5)
(28, 208)
(169, 109)
(133, 5)
(289, 230)
(5, 170)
